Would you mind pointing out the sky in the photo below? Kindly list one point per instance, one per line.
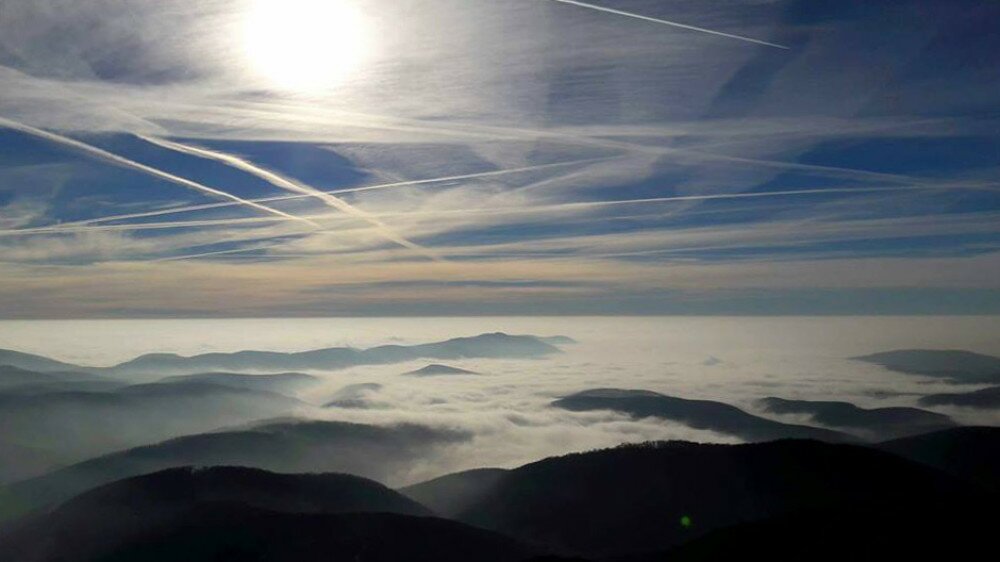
(234, 158)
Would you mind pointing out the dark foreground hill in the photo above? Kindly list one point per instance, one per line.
(295, 446)
(970, 453)
(243, 514)
(643, 498)
(873, 424)
(781, 500)
(945, 529)
(699, 414)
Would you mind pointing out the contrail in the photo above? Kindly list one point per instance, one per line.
(282, 182)
(404, 183)
(123, 162)
(77, 227)
(668, 22)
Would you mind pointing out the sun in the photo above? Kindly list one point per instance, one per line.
(304, 45)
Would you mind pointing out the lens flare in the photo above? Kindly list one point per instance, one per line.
(304, 45)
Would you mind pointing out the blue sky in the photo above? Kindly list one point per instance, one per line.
(522, 157)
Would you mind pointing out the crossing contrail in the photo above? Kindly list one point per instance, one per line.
(668, 22)
(123, 162)
(294, 186)
(403, 183)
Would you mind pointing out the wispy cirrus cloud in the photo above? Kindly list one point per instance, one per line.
(534, 142)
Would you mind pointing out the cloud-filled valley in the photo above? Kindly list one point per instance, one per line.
(109, 411)
(499, 281)
(511, 396)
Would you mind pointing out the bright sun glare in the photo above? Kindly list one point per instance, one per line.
(304, 44)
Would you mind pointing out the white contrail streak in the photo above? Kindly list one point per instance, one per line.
(404, 183)
(123, 162)
(668, 22)
(536, 209)
(556, 207)
(287, 184)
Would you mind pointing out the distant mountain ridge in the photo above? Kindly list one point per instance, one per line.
(436, 369)
(955, 365)
(37, 363)
(496, 345)
(984, 398)
(875, 423)
(698, 414)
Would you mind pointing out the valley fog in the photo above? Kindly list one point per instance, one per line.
(504, 406)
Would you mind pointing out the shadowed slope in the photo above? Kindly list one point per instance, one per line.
(452, 494)
(637, 498)
(971, 453)
(239, 513)
(943, 529)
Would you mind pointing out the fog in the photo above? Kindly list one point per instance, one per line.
(505, 405)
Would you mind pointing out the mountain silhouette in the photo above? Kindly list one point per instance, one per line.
(450, 495)
(355, 396)
(240, 513)
(494, 345)
(642, 498)
(874, 424)
(954, 365)
(559, 340)
(984, 398)
(699, 414)
(435, 369)
(970, 453)
(37, 363)
(286, 446)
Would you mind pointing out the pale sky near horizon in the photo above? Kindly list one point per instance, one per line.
(171, 158)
